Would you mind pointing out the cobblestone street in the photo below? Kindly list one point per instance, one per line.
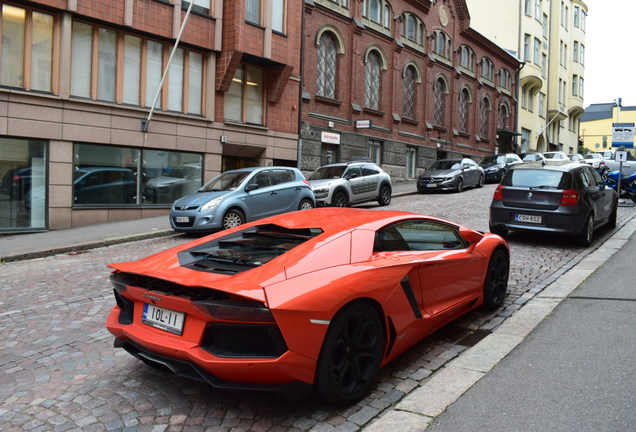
(59, 370)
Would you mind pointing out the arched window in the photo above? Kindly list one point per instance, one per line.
(442, 44)
(504, 79)
(484, 117)
(439, 91)
(487, 69)
(375, 10)
(464, 100)
(326, 74)
(410, 27)
(467, 58)
(372, 81)
(410, 78)
(387, 16)
(504, 115)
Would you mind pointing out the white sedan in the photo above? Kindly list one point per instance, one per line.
(594, 159)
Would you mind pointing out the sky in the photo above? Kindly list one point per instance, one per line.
(610, 54)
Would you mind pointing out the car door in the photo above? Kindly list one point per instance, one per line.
(448, 272)
(260, 195)
(286, 191)
(356, 183)
(600, 196)
(471, 172)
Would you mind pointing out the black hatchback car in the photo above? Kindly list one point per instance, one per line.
(568, 198)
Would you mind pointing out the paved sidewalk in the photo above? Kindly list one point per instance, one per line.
(575, 372)
(18, 247)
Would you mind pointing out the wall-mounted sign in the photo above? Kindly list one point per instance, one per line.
(363, 124)
(330, 137)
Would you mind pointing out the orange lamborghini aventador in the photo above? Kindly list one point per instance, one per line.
(312, 300)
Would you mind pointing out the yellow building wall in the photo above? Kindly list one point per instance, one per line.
(592, 132)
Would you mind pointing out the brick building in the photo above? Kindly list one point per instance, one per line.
(77, 83)
(403, 83)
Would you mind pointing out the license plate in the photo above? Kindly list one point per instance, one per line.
(431, 185)
(183, 219)
(164, 319)
(528, 218)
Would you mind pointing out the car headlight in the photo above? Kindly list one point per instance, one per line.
(210, 205)
(451, 178)
(321, 190)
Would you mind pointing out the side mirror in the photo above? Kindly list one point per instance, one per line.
(251, 187)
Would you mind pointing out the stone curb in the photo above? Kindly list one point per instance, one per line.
(417, 410)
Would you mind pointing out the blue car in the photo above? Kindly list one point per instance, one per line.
(238, 196)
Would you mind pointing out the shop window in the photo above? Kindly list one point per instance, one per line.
(23, 189)
(107, 176)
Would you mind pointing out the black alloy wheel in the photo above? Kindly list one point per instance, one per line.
(481, 181)
(496, 283)
(351, 354)
(460, 184)
(587, 233)
(384, 199)
(340, 199)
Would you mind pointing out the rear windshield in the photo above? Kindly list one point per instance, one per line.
(539, 179)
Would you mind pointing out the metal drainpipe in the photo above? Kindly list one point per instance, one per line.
(299, 148)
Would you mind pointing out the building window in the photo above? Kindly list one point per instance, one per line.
(581, 87)
(484, 117)
(278, 15)
(410, 78)
(525, 140)
(537, 10)
(122, 62)
(253, 11)
(487, 69)
(575, 52)
(582, 54)
(577, 22)
(375, 10)
(467, 58)
(526, 47)
(542, 104)
(375, 151)
(575, 85)
(326, 74)
(442, 44)
(23, 170)
(505, 80)
(411, 161)
(439, 94)
(372, 81)
(123, 176)
(537, 51)
(464, 100)
(583, 18)
(22, 52)
(504, 116)
(544, 65)
(531, 101)
(528, 7)
(544, 26)
(244, 100)
(411, 27)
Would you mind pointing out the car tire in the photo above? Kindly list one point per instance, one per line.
(481, 181)
(587, 233)
(496, 282)
(351, 354)
(611, 221)
(305, 204)
(384, 199)
(460, 184)
(340, 199)
(232, 218)
(499, 231)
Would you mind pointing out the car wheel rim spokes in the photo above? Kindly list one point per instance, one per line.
(306, 206)
(231, 221)
(340, 201)
(499, 278)
(354, 354)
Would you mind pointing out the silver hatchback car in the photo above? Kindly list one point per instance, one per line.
(238, 196)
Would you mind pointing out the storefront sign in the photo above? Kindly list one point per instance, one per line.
(330, 137)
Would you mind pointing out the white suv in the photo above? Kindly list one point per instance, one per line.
(347, 183)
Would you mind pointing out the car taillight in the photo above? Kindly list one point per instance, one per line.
(235, 309)
(570, 197)
(498, 196)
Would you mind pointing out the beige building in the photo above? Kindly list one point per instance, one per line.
(549, 36)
